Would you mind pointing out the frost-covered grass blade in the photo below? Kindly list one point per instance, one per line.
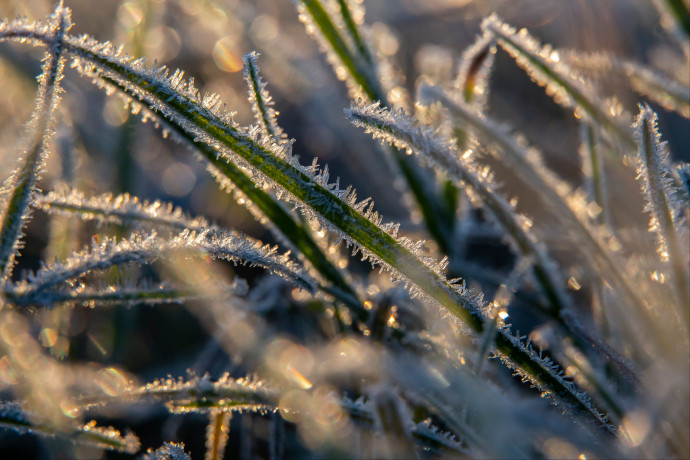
(18, 190)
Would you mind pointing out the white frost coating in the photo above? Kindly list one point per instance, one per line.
(126, 293)
(108, 208)
(168, 451)
(185, 395)
(522, 46)
(556, 373)
(260, 98)
(673, 25)
(403, 132)
(515, 150)
(474, 71)
(546, 67)
(570, 207)
(91, 60)
(593, 171)
(658, 185)
(18, 190)
(682, 175)
(273, 165)
(362, 410)
(217, 434)
(14, 417)
(145, 248)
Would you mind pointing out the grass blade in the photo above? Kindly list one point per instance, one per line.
(545, 66)
(360, 67)
(13, 417)
(667, 220)
(14, 212)
(556, 194)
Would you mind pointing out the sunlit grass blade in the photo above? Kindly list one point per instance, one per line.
(593, 171)
(351, 13)
(337, 210)
(118, 209)
(266, 118)
(404, 133)
(175, 103)
(217, 432)
(545, 66)
(14, 210)
(261, 100)
(341, 45)
(143, 248)
(646, 81)
(266, 209)
(476, 64)
(667, 92)
(572, 210)
(22, 295)
(675, 18)
(667, 220)
(682, 176)
(397, 128)
(13, 417)
(347, 62)
(197, 394)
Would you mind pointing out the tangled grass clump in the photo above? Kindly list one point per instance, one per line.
(323, 356)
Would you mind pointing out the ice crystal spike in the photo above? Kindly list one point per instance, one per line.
(545, 66)
(14, 209)
(260, 99)
(657, 183)
(168, 451)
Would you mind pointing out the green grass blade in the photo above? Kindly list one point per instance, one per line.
(549, 71)
(361, 68)
(656, 181)
(14, 212)
(552, 191)
(339, 52)
(13, 417)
